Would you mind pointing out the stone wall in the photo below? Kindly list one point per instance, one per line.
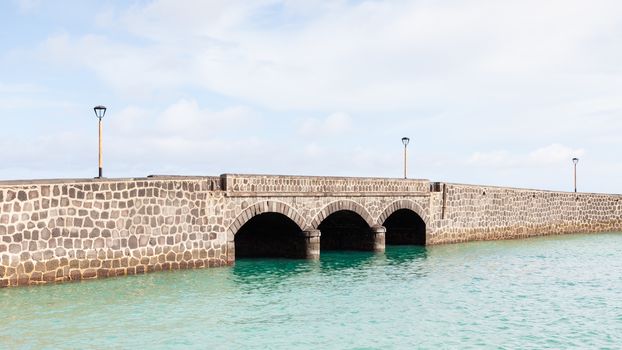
(80, 229)
(462, 213)
(71, 230)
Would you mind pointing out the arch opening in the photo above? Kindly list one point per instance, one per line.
(404, 227)
(345, 230)
(269, 235)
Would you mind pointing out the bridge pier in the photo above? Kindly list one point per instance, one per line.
(312, 244)
(377, 238)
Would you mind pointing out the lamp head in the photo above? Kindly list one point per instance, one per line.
(405, 140)
(575, 160)
(100, 111)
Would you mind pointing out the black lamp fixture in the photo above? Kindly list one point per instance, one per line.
(100, 111)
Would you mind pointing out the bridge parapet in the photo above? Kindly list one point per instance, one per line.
(236, 184)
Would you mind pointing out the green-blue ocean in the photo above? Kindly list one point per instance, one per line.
(552, 292)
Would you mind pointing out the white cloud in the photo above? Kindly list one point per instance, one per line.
(19, 96)
(21, 88)
(492, 158)
(183, 118)
(551, 155)
(333, 124)
(400, 54)
(27, 5)
(313, 150)
(131, 70)
(186, 117)
(180, 131)
(338, 122)
(45, 153)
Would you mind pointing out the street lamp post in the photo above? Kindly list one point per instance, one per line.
(100, 111)
(405, 141)
(575, 161)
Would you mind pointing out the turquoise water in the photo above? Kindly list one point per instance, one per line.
(554, 292)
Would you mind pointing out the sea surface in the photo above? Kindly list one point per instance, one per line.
(553, 292)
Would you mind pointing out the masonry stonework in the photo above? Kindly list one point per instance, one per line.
(463, 213)
(60, 230)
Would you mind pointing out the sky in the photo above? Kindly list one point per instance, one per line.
(489, 92)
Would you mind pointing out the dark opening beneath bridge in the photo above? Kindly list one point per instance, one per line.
(270, 235)
(345, 230)
(404, 226)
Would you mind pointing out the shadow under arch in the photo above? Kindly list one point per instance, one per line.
(345, 230)
(269, 235)
(267, 229)
(404, 223)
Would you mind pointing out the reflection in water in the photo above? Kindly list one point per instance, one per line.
(405, 254)
(334, 261)
(410, 258)
(269, 273)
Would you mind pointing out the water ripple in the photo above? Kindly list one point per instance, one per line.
(545, 293)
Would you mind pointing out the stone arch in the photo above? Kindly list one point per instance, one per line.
(405, 223)
(261, 208)
(341, 205)
(403, 204)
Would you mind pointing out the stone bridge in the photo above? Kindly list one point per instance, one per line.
(292, 216)
(58, 230)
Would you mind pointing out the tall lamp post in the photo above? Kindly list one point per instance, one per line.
(405, 141)
(575, 161)
(100, 111)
